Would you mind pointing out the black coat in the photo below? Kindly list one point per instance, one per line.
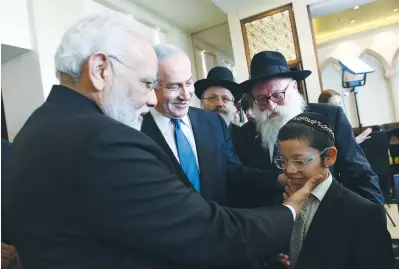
(89, 192)
(347, 232)
(352, 168)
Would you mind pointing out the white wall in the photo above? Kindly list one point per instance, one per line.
(304, 38)
(221, 58)
(21, 89)
(14, 23)
(379, 98)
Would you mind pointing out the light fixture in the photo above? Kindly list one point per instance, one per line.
(158, 29)
(395, 10)
(355, 7)
(203, 51)
(353, 21)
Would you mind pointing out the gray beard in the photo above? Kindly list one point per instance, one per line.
(119, 105)
(269, 128)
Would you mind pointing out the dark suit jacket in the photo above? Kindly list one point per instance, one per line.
(347, 232)
(99, 194)
(222, 175)
(5, 149)
(352, 168)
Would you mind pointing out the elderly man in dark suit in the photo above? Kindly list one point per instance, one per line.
(219, 93)
(9, 257)
(98, 193)
(276, 100)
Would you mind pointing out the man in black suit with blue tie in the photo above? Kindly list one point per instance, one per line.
(197, 141)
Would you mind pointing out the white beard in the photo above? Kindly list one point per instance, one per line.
(269, 128)
(118, 104)
(227, 114)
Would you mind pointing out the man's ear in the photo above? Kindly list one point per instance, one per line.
(99, 70)
(331, 156)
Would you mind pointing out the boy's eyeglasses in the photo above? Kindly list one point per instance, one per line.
(298, 165)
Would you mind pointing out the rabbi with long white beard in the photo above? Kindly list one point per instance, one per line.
(274, 89)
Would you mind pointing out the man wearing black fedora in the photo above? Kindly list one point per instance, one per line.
(274, 89)
(218, 93)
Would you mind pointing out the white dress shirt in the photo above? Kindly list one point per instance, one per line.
(319, 192)
(168, 131)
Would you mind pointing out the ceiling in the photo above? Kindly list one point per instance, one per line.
(326, 7)
(368, 16)
(189, 15)
(218, 37)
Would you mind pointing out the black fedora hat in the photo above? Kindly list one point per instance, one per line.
(218, 76)
(270, 64)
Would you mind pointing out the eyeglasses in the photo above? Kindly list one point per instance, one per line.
(276, 97)
(298, 165)
(215, 98)
(150, 85)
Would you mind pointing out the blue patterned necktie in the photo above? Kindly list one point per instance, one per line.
(186, 155)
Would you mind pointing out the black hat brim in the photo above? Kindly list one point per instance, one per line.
(203, 84)
(246, 86)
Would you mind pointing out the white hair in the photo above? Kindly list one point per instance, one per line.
(164, 51)
(98, 32)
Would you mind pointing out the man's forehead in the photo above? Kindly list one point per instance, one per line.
(176, 68)
(271, 85)
(218, 90)
(140, 51)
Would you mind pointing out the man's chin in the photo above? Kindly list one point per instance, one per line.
(274, 116)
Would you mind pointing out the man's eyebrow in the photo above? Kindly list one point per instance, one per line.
(298, 155)
(149, 79)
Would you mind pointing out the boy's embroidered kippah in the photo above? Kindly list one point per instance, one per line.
(315, 120)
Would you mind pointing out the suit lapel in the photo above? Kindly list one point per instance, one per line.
(150, 128)
(323, 221)
(205, 151)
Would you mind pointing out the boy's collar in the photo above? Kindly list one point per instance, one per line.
(320, 191)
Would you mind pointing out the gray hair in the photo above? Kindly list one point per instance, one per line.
(99, 32)
(164, 51)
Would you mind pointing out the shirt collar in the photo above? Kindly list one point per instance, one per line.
(163, 122)
(320, 191)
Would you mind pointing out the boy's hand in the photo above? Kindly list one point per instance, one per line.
(284, 259)
(8, 254)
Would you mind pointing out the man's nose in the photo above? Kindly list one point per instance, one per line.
(152, 99)
(219, 102)
(270, 105)
(186, 93)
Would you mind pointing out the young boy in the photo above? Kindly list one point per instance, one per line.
(337, 229)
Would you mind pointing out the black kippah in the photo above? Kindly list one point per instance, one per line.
(314, 120)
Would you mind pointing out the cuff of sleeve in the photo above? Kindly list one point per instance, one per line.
(292, 211)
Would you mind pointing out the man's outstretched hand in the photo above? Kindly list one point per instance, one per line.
(297, 199)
